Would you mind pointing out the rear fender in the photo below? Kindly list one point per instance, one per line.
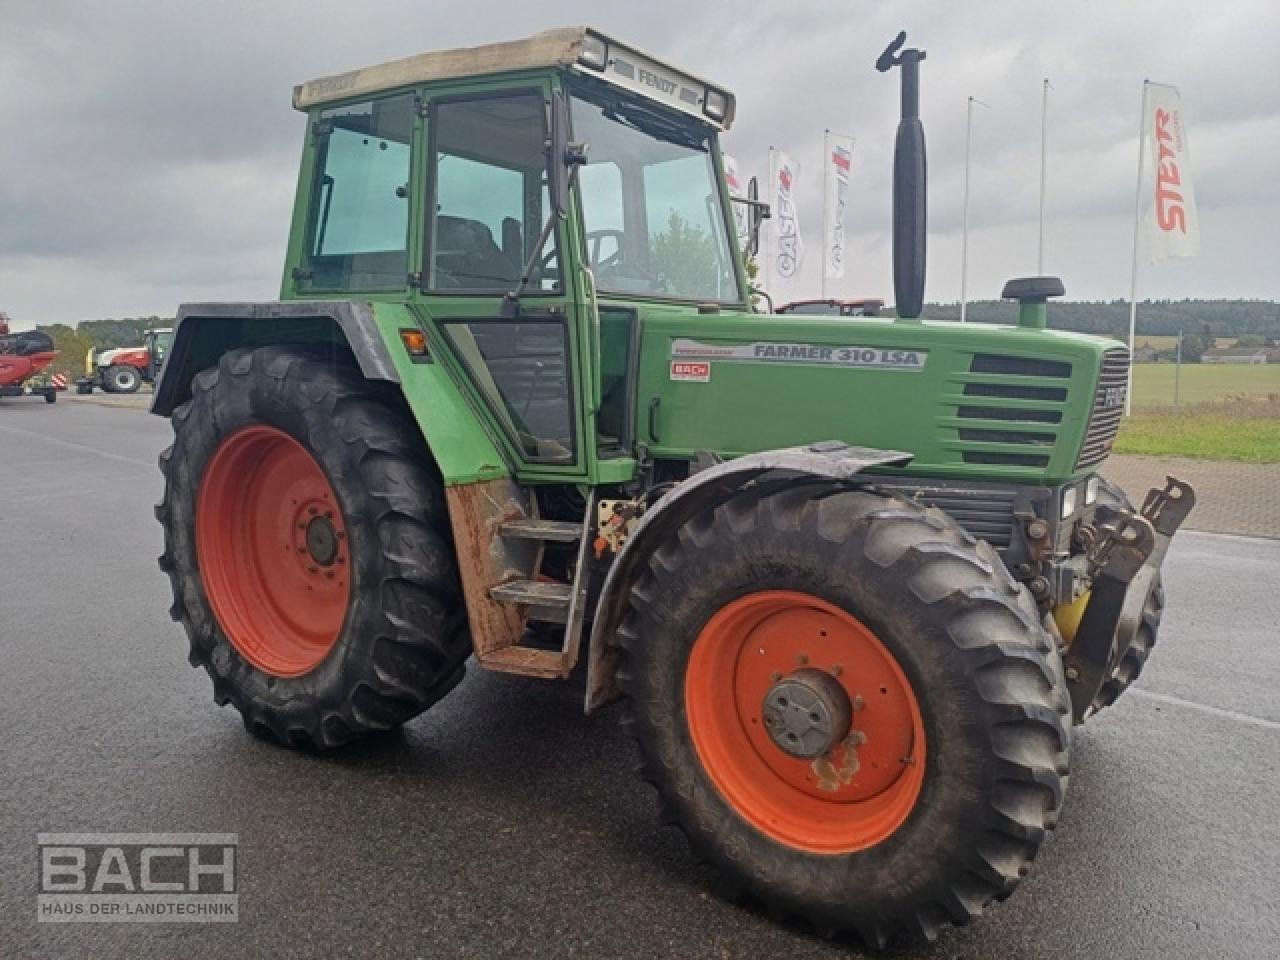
(205, 331)
(829, 460)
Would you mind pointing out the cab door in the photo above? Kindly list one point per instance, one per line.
(487, 213)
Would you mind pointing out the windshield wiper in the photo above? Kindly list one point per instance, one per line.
(656, 125)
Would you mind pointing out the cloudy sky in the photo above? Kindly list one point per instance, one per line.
(148, 149)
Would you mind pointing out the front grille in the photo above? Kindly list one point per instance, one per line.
(1108, 407)
(1015, 424)
(986, 512)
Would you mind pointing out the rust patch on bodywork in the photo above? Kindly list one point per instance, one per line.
(476, 510)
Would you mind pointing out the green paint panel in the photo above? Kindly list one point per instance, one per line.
(969, 401)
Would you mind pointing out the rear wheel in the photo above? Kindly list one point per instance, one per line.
(849, 707)
(122, 378)
(308, 548)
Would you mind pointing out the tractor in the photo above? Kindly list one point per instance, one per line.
(125, 369)
(852, 579)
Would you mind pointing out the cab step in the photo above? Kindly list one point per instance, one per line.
(529, 662)
(546, 601)
(533, 528)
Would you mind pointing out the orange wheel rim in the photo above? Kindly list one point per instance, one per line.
(854, 795)
(272, 547)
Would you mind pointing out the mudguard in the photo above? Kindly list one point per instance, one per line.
(829, 461)
(204, 331)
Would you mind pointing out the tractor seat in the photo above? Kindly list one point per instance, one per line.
(466, 256)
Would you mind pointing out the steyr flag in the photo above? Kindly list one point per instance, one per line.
(839, 161)
(787, 252)
(738, 191)
(1173, 226)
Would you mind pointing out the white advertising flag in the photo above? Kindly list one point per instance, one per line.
(839, 161)
(787, 252)
(1173, 227)
(738, 191)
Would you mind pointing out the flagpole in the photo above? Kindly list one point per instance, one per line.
(1137, 226)
(826, 212)
(964, 215)
(768, 224)
(1044, 136)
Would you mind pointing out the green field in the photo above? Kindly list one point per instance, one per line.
(1202, 382)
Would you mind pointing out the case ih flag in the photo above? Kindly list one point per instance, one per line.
(1174, 227)
(738, 190)
(839, 161)
(787, 252)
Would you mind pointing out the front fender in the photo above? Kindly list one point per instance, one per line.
(828, 460)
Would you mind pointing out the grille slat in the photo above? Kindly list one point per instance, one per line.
(985, 512)
(1028, 426)
(1108, 406)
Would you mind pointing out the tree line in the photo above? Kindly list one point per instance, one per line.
(1211, 318)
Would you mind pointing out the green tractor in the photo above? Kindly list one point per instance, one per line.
(854, 579)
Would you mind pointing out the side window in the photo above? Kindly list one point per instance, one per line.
(358, 224)
(491, 203)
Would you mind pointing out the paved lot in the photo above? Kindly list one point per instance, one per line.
(504, 823)
(1241, 498)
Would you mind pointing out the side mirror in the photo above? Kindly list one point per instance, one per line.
(564, 156)
(759, 214)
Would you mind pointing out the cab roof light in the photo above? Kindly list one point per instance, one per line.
(594, 53)
(714, 104)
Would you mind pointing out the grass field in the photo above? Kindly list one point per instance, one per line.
(1238, 429)
(1202, 383)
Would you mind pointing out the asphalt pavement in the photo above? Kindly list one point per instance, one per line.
(504, 822)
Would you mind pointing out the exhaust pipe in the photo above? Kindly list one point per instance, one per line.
(909, 182)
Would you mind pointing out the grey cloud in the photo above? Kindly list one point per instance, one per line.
(149, 150)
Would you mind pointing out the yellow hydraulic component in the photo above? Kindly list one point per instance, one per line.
(1068, 615)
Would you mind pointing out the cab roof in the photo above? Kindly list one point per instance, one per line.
(561, 48)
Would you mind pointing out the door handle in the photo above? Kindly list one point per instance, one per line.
(653, 419)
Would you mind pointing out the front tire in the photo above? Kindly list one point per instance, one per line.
(955, 765)
(307, 542)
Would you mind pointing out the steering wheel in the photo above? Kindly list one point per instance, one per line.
(596, 239)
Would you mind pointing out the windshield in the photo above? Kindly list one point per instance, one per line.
(654, 220)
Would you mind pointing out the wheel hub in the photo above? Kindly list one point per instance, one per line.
(807, 713)
(322, 541)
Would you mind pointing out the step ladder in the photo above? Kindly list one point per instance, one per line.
(542, 600)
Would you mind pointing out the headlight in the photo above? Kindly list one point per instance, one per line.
(1091, 490)
(714, 104)
(594, 53)
(1069, 499)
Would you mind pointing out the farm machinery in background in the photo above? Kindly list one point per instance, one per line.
(828, 307)
(24, 361)
(125, 369)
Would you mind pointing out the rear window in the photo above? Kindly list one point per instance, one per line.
(358, 219)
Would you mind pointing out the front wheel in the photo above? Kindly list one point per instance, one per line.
(849, 707)
(122, 378)
(308, 547)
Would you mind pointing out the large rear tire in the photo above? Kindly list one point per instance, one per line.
(953, 770)
(308, 546)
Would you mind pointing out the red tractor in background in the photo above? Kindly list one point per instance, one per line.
(125, 369)
(870, 307)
